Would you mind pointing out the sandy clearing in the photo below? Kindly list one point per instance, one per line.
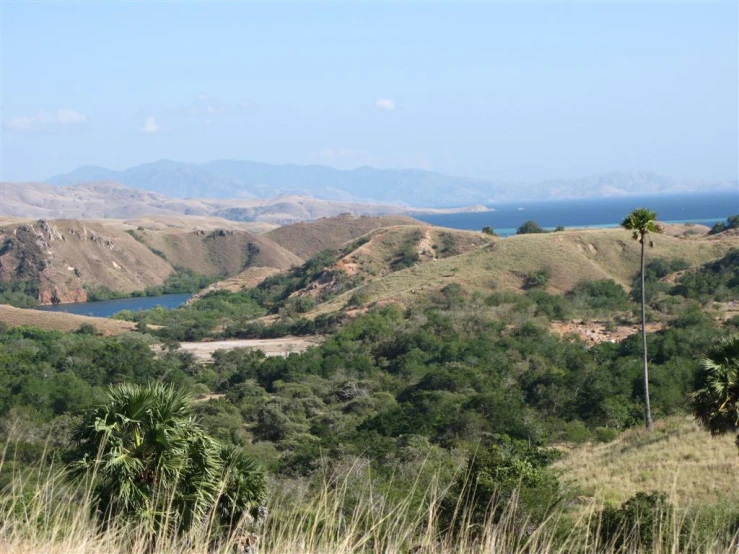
(271, 347)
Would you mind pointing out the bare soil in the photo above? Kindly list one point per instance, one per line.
(271, 347)
(595, 332)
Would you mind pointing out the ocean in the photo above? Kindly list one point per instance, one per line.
(702, 208)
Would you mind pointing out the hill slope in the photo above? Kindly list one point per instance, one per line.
(109, 200)
(306, 239)
(65, 257)
(569, 257)
(221, 251)
(678, 458)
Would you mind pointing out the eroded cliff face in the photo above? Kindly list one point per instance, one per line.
(66, 257)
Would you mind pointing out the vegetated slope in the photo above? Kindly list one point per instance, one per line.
(247, 279)
(568, 257)
(677, 458)
(59, 321)
(221, 251)
(65, 256)
(364, 260)
(308, 238)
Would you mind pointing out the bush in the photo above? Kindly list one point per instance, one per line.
(530, 227)
(537, 279)
(637, 524)
(495, 476)
(731, 223)
(605, 294)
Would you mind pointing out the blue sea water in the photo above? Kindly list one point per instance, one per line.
(703, 208)
(106, 308)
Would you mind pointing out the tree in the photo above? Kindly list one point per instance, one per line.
(488, 230)
(147, 457)
(529, 227)
(641, 222)
(732, 222)
(716, 399)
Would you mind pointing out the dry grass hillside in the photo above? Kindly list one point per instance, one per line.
(569, 256)
(308, 238)
(186, 223)
(219, 251)
(385, 250)
(59, 321)
(66, 255)
(678, 458)
(109, 200)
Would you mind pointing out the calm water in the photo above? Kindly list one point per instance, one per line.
(106, 308)
(602, 212)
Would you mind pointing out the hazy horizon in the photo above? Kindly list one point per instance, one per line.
(500, 91)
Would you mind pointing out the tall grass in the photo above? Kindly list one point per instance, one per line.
(43, 513)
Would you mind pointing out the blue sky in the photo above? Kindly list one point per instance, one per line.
(516, 91)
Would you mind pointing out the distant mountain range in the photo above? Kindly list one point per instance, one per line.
(413, 187)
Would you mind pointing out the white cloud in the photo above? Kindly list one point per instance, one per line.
(150, 126)
(45, 120)
(70, 117)
(385, 104)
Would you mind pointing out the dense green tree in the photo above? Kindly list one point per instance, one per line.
(716, 399)
(641, 222)
(529, 227)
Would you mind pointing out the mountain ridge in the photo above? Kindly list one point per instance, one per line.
(414, 187)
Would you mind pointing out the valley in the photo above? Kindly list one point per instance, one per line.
(357, 353)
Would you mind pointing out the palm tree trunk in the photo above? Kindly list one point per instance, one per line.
(647, 409)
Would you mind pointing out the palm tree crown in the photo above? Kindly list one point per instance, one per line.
(716, 399)
(147, 457)
(641, 222)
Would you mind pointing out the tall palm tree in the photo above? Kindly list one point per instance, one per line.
(716, 399)
(641, 222)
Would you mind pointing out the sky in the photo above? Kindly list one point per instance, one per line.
(521, 91)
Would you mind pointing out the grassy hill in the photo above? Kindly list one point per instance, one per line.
(677, 458)
(59, 321)
(306, 239)
(504, 264)
(219, 251)
(65, 256)
(60, 260)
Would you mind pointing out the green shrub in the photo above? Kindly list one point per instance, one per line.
(637, 524)
(604, 294)
(529, 227)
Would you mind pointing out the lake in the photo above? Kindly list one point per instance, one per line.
(704, 208)
(106, 308)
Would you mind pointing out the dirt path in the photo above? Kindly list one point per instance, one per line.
(271, 347)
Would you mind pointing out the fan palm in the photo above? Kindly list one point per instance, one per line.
(641, 222)
(716, 399)
(147, 456)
